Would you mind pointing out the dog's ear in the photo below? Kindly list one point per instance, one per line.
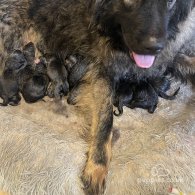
(29, 52)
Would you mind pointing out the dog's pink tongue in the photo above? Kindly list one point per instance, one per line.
(144, 61)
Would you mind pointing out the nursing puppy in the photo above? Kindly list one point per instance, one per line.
(32, 79)
(57, 74)
(9, 92)
(144, 94)
(9, 88)
(119, 39)
(34, 87)
(21, 75)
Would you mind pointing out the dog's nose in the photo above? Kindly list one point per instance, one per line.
(153, 45)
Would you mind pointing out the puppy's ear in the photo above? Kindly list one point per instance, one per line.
(29, 52)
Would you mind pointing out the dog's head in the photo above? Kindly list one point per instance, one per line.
(144, 25)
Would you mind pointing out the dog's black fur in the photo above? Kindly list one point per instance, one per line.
(104, 32)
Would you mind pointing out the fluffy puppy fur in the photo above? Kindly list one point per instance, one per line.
(9, 88)
(123, 95)
(33, 80)
(20, 75)
(107, 33)
(34, 88)
(144, 94)
(77, 67)
(57, 70)
(145, 97)
(9, 91)
(57, 74)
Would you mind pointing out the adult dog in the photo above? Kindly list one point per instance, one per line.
(133, 39)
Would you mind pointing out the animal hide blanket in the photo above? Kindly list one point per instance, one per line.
(42, 151)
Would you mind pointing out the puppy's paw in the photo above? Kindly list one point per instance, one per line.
(58, 90)
(15, 100)
(152, 108)
(184, 59)
(93, 178)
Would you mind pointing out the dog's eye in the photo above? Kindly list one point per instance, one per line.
(170, 4)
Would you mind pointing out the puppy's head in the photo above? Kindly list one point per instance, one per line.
(143, 25)
(35, 88)
(15, 62)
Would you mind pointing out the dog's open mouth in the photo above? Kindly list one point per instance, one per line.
(143, 61)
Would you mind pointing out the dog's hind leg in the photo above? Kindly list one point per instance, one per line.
(95, 101)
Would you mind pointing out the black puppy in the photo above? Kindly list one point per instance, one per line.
(57, 70)
(77, 67)
(133, 95)
(22, 75)
(34, 86)
(9, 92)
(9, 88)
(32, 79)
(57, 74)
(143, 95)
(123, 95)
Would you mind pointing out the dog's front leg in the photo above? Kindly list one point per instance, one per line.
(95, 100)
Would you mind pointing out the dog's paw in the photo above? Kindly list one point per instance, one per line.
(93, 178)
